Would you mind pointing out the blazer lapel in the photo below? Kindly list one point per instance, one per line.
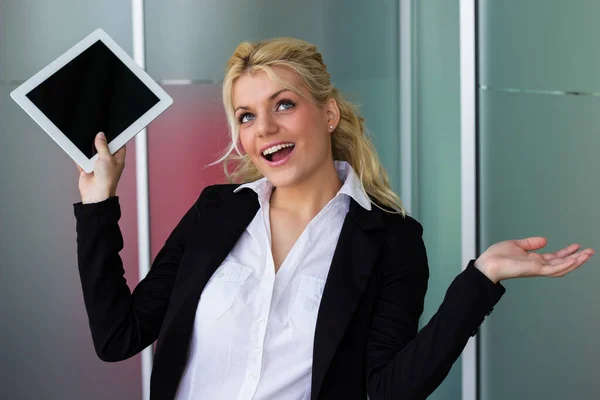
(219, 227)
(217, 230)
(350, 270)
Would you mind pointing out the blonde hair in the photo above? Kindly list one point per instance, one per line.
(349, 140)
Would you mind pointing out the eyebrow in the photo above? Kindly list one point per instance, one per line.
(271, 97)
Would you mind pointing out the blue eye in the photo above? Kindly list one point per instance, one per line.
(246, 117)
(281, 106)
(285, 105)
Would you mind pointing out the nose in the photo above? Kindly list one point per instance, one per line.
(266, 125)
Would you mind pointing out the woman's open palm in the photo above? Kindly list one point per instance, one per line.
(515, 259)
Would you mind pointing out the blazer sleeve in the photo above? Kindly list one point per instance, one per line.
(404, 364)
(122, 322)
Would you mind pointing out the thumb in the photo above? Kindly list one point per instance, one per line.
(101, 145)
(532, 243)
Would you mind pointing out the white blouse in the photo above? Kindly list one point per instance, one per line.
(254, 328)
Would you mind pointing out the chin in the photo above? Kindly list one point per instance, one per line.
(283, 178)
(281, 181)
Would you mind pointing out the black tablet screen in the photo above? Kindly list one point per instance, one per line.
(94, 92)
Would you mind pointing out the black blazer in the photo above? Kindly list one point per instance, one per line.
(366, 337)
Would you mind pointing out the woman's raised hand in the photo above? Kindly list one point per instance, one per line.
(102, 183)
(514, 259)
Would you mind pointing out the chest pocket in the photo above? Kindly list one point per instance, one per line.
(305, 305)
(222, 289)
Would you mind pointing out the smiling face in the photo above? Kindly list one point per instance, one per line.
(286, 135)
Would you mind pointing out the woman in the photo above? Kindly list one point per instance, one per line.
(305, 282)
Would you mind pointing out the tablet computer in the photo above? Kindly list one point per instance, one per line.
(93, 87)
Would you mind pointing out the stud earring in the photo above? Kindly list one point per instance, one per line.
(330, 127)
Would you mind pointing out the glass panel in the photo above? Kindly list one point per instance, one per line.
(34, 33)
(437, 158)
(46, 337)
(538, 166)
(47, 348)
(193, 131)
(540, 44)
(197, 37)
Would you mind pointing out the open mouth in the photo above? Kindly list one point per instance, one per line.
(278, 153)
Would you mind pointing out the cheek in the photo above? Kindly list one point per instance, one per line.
(245, 142)
(317, 137)
(248, 145)
(307, 127)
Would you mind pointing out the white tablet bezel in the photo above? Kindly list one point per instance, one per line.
(20, 96)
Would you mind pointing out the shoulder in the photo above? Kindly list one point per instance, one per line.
(398, 225)
(404, 247)
(221, 193)
(217, 191)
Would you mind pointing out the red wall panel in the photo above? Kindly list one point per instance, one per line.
(188, 136)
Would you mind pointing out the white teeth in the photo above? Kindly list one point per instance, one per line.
(273, 149)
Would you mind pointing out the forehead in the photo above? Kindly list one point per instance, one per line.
(258, 86)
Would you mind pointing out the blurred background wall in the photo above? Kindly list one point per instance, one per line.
(536, 146)
(539, 132)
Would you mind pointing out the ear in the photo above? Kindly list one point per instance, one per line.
(332, 115)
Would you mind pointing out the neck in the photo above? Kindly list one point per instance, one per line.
(308, 197)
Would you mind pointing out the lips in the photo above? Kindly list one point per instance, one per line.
(277, 153)
(274, 146)
(274, 150)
